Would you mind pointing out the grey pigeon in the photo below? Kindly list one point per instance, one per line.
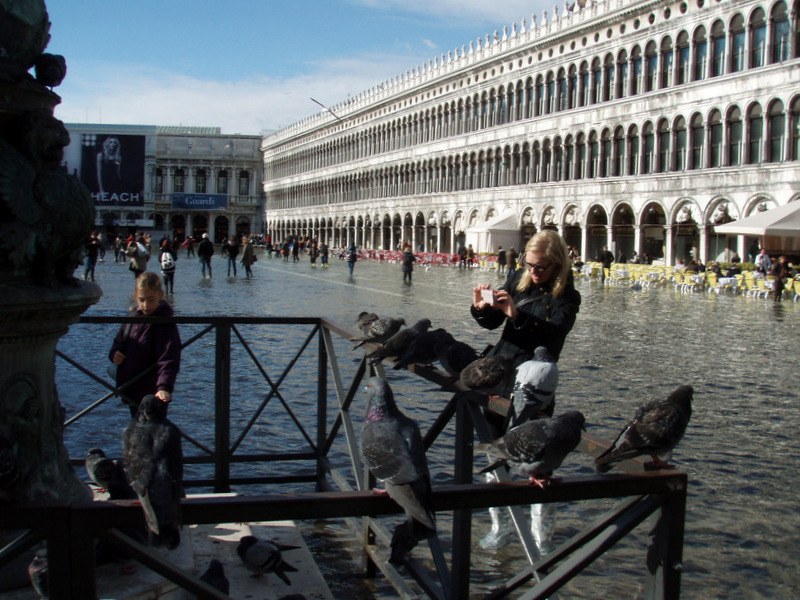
(399, 342)
(537, 448)
(421, 349)
(151, 447)
(38, 574)
(655, 429)
(492, 375)
(392, 447)
(534, 388)
(109, 475)
(453, 355)
(264, 556)
(363, 321)
(379, 331)
(215, 577)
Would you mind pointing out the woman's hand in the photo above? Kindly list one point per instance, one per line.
(504, 301)
(477, 296)
(118, 358)
(164, 396)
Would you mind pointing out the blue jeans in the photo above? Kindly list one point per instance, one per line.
(231, 263)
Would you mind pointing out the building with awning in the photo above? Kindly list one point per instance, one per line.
(777, 228)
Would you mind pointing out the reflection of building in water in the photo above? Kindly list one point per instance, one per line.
(625, 123)
(194, 179)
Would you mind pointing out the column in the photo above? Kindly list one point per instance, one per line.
(669, 251)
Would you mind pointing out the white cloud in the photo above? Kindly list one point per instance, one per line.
(492, 14)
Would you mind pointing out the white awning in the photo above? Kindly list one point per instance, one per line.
(783, 221)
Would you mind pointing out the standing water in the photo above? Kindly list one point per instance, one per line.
(627, 347)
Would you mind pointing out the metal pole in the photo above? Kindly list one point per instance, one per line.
(222, 408)
(665, 553)
(462, 518)
(322, 407)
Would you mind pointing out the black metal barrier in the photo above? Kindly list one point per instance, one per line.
(345, 493)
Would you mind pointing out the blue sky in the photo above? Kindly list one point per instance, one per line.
(250, 65)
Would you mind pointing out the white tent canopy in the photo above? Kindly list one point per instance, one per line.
(501, 231)
(783, 221)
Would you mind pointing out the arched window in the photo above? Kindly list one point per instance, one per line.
(735, 129)
(633, 150)
(618, 167)
(546, 161)
(622, 80)
(551, 94)
(561, 90)
(777, 124)
(200, 181)
(597, 81)
(737, 37)
(698, 141)
(682, 56)
(244, 183)
(667, 61)
(540, 94)
(636, 76)
(649, 152)
(606, 154)
(584, 84)
(179, 181)
(158, 182)
(781, 33)
(529, 98)
(569, 156)
(651, 67)
(758, 38)
(715, 139)
(717, 49)
(795, 129)
(222, 182)
(755, 121)
(594, 156)
(700, 53)
(558, 160)
(679, 154)
(572, 87)
(663, 146)
(609, 83)
(580, 156)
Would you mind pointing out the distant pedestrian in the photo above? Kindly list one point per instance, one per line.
(167, 258)
(205, 250)
(248, 256)
(313, 253)
(407, 263)
(139, 254)
(188, 243)
(501, 260)
(92, 249)
(324, 252)
(351, 256)
(231, 250)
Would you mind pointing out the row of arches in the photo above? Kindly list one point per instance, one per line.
(765, 35)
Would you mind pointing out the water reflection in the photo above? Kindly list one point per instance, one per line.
(627, 347)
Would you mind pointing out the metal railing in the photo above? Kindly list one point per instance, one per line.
(344, 490)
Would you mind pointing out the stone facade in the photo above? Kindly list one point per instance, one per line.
(632, 123)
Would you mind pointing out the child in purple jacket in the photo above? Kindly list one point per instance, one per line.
(152, 348)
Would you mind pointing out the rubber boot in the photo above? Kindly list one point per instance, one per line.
(501, 530)
(543, 525)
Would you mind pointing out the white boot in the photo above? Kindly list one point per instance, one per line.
(543, 525)
(501, 524)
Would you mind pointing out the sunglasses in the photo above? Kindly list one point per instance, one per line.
(535, 268)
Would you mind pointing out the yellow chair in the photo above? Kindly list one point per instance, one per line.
(796, 287)
(712, 283)
(690, 284)
(765, 287)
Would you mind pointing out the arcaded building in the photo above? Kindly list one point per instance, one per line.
(636, 124)
(177, 180)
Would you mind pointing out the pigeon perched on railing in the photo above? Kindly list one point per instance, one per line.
(399, 342)
(109, 475)
(265, 556)
(536, 448)
(534, 388)
(379, 331)
(392, 447)
(421, 350)
(363, 321)
(454, 356)
(151, 447)
(492, 375)
(215, 577)
(655, 429)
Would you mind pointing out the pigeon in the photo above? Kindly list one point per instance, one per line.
(655, 429)
(534, 388)
(379, 331)
(215, 577)
(151, 447)
(397, 344)
(363, 321)
(109, 475)
(421, 348)
(492, 375)
(538, 447)
(38, 574)
(264, 556)
(453, 355)
(392, 447)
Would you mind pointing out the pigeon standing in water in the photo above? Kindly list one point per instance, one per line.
(655, 429)
(264, 556)
(537, 448)
(392, 447)
(379, 331)
(534, 388)
(151, 446)
(397, 344)
(215, 577)
(109, 475)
